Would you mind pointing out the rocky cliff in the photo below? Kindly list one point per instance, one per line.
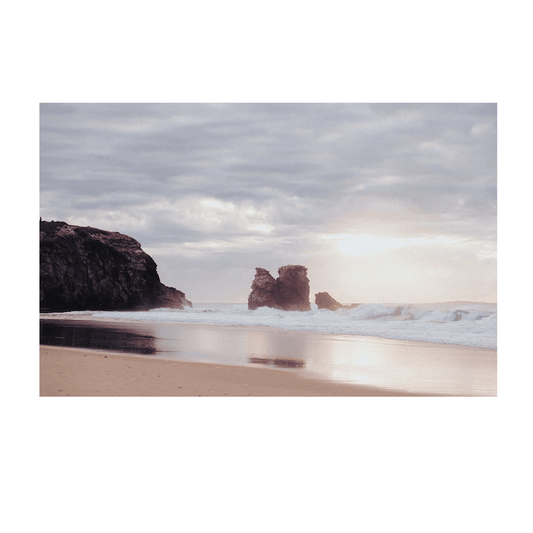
(84, 268)
(289, 292)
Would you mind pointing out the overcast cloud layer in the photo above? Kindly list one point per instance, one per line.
(382, 202)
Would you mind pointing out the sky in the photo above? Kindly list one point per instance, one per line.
(382, 203)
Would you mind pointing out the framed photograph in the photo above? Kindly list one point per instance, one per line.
(333, 242)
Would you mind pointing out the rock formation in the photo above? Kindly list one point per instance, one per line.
(84, 268)
(324, 301)
(264, 290)
(289, 292)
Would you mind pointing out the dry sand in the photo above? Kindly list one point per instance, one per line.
(79, 372)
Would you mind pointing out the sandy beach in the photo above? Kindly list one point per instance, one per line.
(190, 360)
(79, 372)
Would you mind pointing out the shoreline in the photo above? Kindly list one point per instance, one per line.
(81, 372)
(247, 327)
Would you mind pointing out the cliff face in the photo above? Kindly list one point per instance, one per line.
(289, 292)
(84, 268)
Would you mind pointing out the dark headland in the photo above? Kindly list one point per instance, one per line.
(85, 268)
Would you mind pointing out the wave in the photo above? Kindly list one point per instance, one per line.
(463, 323)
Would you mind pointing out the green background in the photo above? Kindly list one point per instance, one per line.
(257, 474)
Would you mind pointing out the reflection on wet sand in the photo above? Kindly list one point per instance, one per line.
(278, 361)
(85, 335)
(405, 365)
(399, 365)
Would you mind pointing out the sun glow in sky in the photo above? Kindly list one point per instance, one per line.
(364, 244)
(381, 202)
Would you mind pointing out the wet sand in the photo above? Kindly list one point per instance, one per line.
(80, 372)
(409, 366)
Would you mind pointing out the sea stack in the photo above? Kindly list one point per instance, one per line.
(84, 268)
(324, 301)
(289, 292)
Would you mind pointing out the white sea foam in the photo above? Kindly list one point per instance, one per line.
(464, 323)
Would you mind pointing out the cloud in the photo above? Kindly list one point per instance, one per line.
(225, 178)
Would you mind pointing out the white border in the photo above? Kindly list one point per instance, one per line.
(30, 97)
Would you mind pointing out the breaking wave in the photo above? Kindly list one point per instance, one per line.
(463, 323)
